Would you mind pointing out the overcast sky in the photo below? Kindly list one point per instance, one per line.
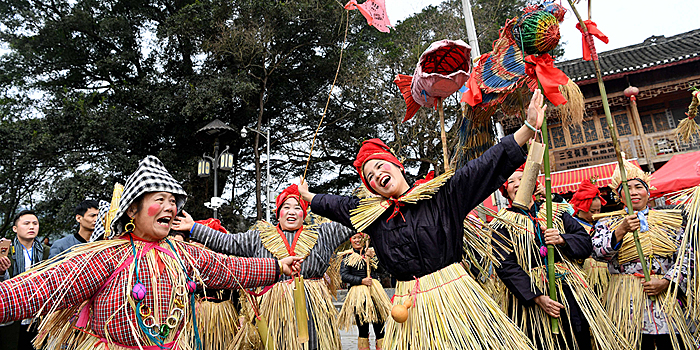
(625, 22)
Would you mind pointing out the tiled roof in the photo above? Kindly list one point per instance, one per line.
(653, 53)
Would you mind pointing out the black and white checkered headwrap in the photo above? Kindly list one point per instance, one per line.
(99, 230)
(151, 176)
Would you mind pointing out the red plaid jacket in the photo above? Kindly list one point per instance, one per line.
(77, 279)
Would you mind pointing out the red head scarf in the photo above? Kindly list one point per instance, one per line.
(374, 149)
(291, 191)
(582, 199)
(213, 223)
(504, 187)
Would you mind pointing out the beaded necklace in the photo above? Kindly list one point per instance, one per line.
(144, 315)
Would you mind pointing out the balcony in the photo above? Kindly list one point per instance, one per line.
(662, 146)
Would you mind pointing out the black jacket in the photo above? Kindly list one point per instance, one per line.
(354, 275)
(427, 236)
(578, 246)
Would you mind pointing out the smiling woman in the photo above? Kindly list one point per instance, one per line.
(135, 289)
(418, 235)
(315, 243)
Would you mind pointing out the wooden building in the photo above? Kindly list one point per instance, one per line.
(664, 69)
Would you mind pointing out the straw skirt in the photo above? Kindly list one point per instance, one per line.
(451, 311)
(630, 309)
(277, 306)
(369, 304)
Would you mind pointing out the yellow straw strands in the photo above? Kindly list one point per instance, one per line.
(247, 338)
(625, 303)
(597, 276)
(371, 208)
(659, 240)
(534, 320)
(272, 241)
(478, 239)
(217, 323)
(56, 329)
(451, 311)
(689, 250)
(370, 304)
(688, 127)
(278, 306)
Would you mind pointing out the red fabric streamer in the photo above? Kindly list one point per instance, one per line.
(473, 95)
(542, 68)
(589, 51)
(374, 12)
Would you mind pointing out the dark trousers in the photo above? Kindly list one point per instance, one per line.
(17, 336)
(363, 329)
(27, 333)
(658, 341)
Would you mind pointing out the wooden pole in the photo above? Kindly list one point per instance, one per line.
(443, 136)
(640, 132)
(613, 135)
(551, 276)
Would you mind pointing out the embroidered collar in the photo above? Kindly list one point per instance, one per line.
(373, 207)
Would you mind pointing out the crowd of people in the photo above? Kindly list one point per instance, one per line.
(133, 279)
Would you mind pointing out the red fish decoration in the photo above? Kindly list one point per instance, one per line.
(441, 71)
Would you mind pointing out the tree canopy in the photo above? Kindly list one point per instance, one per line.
(88, 88)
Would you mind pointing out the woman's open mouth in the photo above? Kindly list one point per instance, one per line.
(164, 221)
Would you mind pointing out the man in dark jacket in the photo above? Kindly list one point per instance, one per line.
(86, 216)
(25, 252)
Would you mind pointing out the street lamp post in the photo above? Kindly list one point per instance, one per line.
(223, 161)
(266, 135)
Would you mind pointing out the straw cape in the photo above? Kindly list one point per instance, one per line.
(532, 319)
(369, 303)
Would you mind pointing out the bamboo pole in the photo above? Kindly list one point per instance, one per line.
(548, 203)
(443, 136)
(613, 135)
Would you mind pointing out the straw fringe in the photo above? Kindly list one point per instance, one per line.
(597, 276)
(217, 323)
(571, 112)
(278, 306)
(659, 240)
(270, 238)
(451, 311)
(371, 208)
(689, 250)
(56, 329)
(688, 127)
(370, 304)
(247, 337)
(624, 301)
(603, 330)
